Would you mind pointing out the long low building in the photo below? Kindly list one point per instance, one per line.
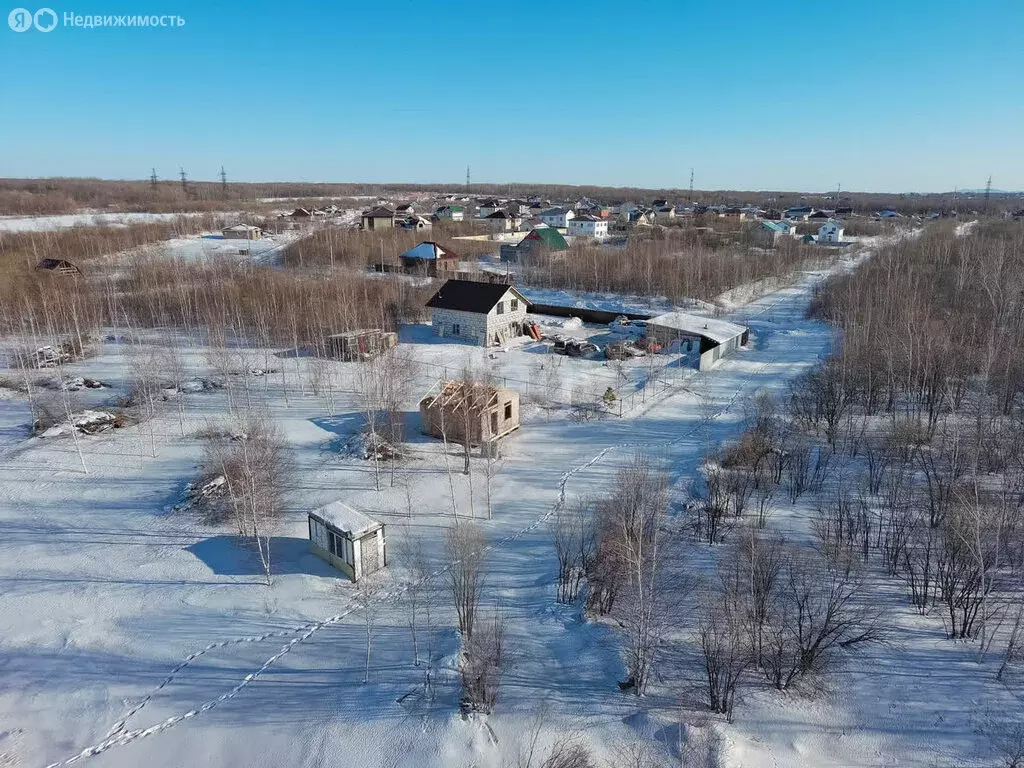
(712, 338)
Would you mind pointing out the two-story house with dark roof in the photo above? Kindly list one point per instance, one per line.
(489, 314)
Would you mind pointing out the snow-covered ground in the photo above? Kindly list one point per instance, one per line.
(84, 219)
(268, 250)
(133, 635)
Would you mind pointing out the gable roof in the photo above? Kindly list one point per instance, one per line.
(429, 250)
(379, 212)
(501, 214)
(552, 238)
(471, 296)
(777, 226)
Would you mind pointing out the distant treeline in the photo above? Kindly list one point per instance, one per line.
(66, 195)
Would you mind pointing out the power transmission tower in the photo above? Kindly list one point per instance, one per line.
(467, 178)
(184, 181)
(988, 192)
(152, 180)
(691, 185)
(223, 182)
(954, 200)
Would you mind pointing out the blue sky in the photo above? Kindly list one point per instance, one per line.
(903, 96)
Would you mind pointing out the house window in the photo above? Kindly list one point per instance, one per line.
(494, 423)
(508, 411)
(500, 310)
(515, 305)
(455, 329)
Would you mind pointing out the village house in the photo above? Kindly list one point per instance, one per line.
(733, 213)
(503, 221)
(469, 412)
(484, 313)
(768, 233)
(241, 232)
(487, 207)
(449, 213)
(588, 225)
(542, 238)
(405, 209)
(663, 210)
(641, 217)
(351, 541)
(798, 213)
(830, 232)
(378, 218)
(557, 217)
(430, 258)
(420, 223)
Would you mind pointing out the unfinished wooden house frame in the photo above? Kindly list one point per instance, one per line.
(463, 411)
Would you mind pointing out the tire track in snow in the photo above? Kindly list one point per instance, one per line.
(118, 736)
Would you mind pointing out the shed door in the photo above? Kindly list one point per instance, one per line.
(369, 553)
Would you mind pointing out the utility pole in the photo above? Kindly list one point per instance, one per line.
(954, 201)
(223, 182)
(467, 178)
(988, 192)
(152, 180)
(184, 181)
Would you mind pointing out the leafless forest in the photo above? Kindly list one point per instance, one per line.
(123, 286)
(677, 263)
(68, 195)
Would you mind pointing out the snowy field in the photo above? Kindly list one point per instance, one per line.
(268, 250)
(84, 219)
(131, 634)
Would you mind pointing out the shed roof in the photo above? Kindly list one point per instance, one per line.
(346, 519)
(718, 331)
(470, 296)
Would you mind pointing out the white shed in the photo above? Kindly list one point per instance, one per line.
(347, 539)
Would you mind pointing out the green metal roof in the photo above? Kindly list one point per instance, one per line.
(552, 238)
